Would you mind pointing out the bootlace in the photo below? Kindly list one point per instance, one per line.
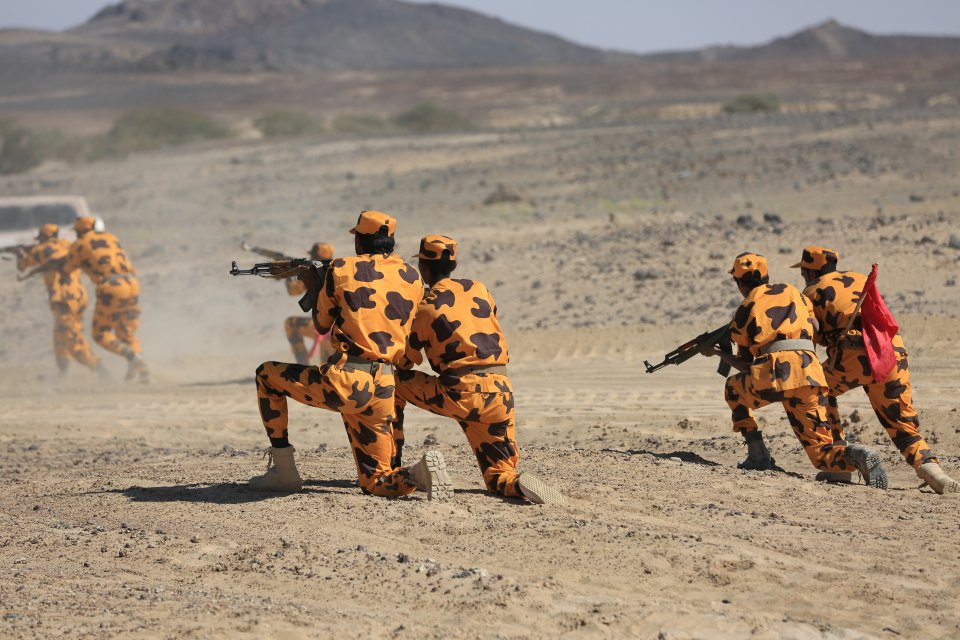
(268, 453)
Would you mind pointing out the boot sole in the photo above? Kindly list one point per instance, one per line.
(441, 488)
(874, 475)
(539, 492)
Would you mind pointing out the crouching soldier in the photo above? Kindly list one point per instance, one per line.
(67, 296)
(456, 325)
(300, 328)
(773, 329)
(834, 295)
(368, 301)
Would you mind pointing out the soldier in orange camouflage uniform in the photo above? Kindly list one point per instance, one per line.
(368, 301)
(67, 295)
(116, 316)
(834, 295)
(457, 326)
(300, 328)
(773, 329)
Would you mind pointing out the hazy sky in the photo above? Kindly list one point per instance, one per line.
(636, 25)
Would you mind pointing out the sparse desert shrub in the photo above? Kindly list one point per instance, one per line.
(753, 102)
(427, 117)
(358, 123)
(20, 151)
(144, 129)
(282, 123)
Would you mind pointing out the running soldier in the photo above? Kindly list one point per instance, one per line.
(835, 295)
(116, 315)
(368, 302)
(773, 329)
(67, 296)
(300, 328)
(457, 326)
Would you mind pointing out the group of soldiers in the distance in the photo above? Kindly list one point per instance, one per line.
(116, 315)
(379, 322)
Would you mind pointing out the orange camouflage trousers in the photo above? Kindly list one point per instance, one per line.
(365, 403)
(117, 315)
(483, 406)
(297, 328)
(806, 409)
(68, 339)
(892, 399)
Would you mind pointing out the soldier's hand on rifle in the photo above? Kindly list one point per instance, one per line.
(710, 351)
(310, 277)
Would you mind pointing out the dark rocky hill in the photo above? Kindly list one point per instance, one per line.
(293, 35)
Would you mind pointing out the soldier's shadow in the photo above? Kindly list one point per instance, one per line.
(683, 456)
(223, 492)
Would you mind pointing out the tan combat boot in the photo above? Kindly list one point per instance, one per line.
(137, 369)
(933, 476)
(281, 475)
(430, 475)
(758, 456)
(868, 463)
(537, 491)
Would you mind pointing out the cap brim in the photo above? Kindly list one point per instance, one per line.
(797, 266)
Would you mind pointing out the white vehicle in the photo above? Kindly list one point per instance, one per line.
(22, 217)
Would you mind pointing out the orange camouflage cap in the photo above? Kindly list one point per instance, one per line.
(48, 231)
(816, 258)
(321, 251)
(749, 265)
(435, 247)
(375, 223)
(84, 223)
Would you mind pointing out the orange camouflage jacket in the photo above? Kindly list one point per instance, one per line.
(457, 326)
(777, 312)
(63, 285)
(368, 301)
(99, 255)
(834, 297)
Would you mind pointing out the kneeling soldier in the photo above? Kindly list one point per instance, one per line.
(835, 295)
(368, 301)
(773, 328)
(457, 326)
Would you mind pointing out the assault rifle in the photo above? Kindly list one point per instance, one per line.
(718, 337)
(290, 268)
(13, 250)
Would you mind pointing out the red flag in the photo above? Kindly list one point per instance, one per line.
(879, 327)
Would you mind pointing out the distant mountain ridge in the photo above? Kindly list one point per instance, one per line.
(829, 39)
(335, 35)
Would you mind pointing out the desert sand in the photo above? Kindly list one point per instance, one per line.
(125, 510)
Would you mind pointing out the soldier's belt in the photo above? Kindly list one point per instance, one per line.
(354, 363)
(788, 345)
(477, 370)
(116, 278)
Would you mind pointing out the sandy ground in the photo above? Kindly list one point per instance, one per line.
(125, 510)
